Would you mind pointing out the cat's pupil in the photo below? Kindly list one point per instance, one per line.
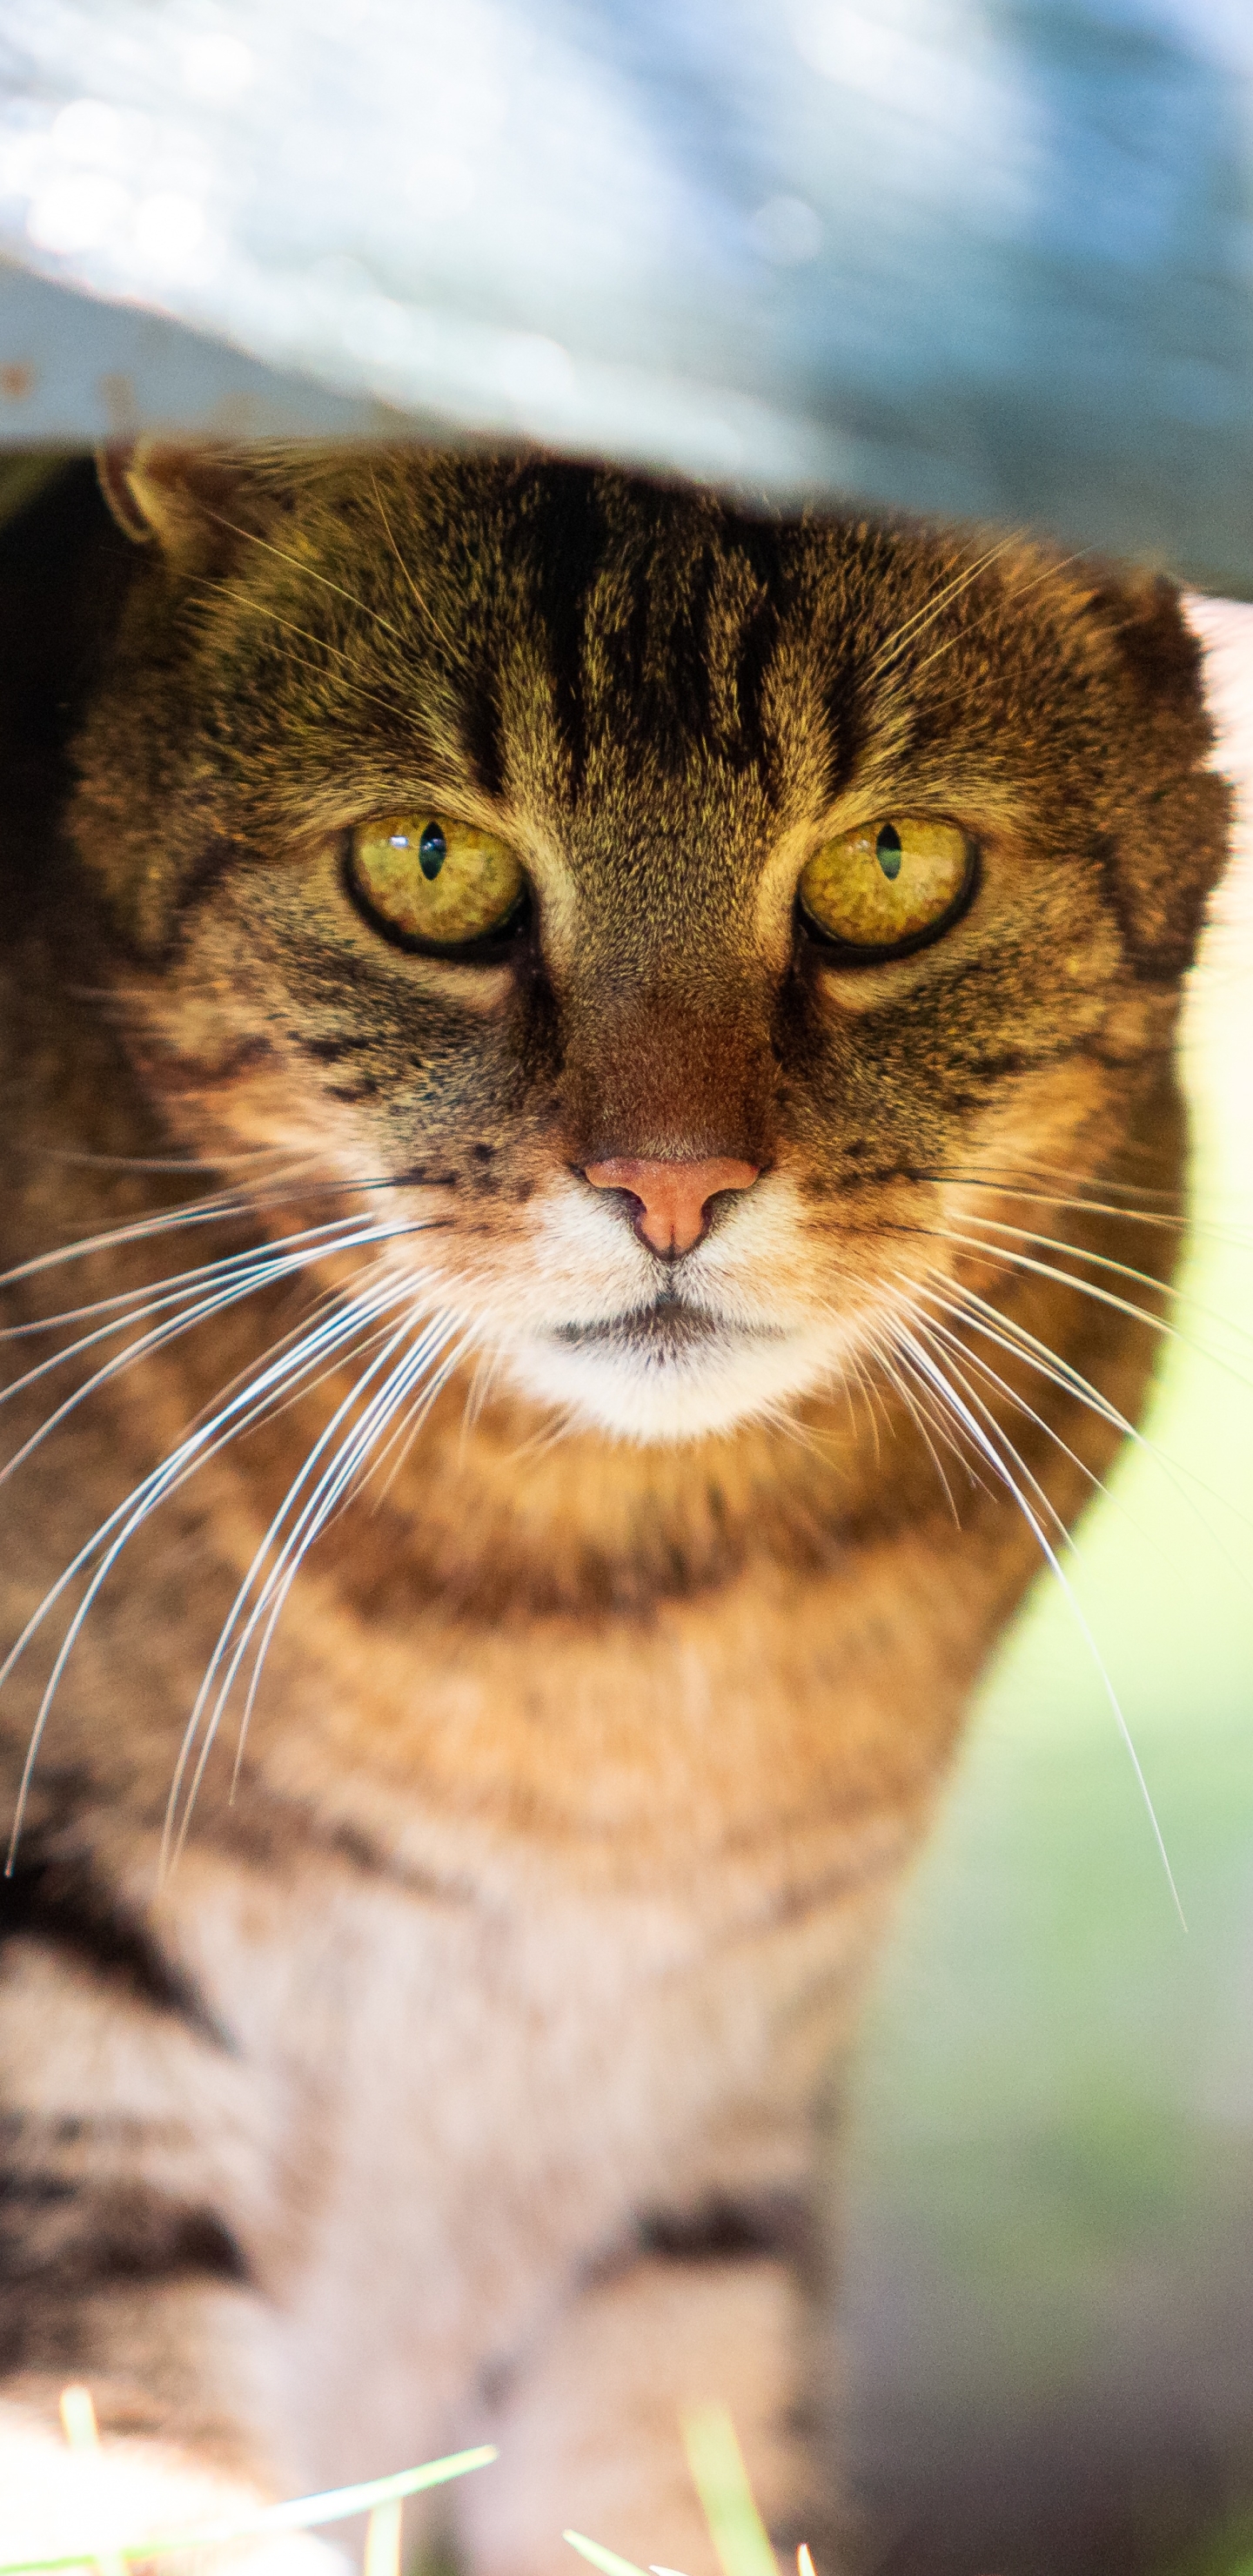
(432, 850)
(887, 850)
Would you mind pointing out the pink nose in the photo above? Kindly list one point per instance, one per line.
(673, 1197)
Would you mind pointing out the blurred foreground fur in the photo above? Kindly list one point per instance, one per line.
(437, 2055)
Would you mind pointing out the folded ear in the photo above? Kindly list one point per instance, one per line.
(186, 498)
(1173, 844)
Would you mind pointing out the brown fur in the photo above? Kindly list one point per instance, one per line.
(461, 2078)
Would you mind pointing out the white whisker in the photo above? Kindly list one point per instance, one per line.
(274, 1376)
(395, 1294)
(916, 1341)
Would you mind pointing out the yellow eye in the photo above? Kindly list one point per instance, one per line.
(889, 886)
(425, 878)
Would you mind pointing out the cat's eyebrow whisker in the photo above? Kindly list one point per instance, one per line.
(261, 608)
(308, 572)
(907, 633)
(427, 611)
(933, 1369)
(1022, 591)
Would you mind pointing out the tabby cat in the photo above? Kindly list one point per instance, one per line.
(583, 1074)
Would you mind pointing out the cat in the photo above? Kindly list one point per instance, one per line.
(583, 1073)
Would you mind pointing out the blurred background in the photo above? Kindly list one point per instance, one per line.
(976, 258)
(1049, 2297)
(979, 257)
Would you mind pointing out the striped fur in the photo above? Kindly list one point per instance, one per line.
(431, 2042)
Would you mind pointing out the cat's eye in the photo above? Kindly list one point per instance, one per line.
(428, 881)
(888, 887)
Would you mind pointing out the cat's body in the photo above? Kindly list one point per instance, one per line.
(459, 2080)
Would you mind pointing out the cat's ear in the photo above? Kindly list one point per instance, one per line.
(1144, 614)
(185, 499)
(1174, 846)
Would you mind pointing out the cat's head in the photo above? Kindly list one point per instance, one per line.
(677, 919)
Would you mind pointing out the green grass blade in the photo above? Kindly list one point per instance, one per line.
(721, 2479)
(300, 2513)
(607, 2560)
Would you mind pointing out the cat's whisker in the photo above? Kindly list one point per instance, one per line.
(254, 1268)
(933, 1369)
(484, 1376)
(221, 1208)
(1120, 1191)
(1012, 1258)
(871, 1398)
(423, 604)
(1079, 1252)
(1013, 1185)
(346, 1490)
(124, 1302)
(299, 1393)
(1018, 1342)
(262, 608)
(1021, 590)
(222, 1656)
(137, 1230)
(983, 1368)
(207, 1440)
(261, 1270)
(334, 1489)
(189, 1164)
(1015, 1259)
(397, 1447)
(248, 1405)
(983, 1411)
(913, 1406)
(910, 628)
(307, 572)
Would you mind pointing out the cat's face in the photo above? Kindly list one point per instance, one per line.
(479, 827)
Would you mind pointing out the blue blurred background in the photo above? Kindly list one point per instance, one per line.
(987, 257)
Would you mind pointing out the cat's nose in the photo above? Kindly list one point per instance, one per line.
(673, 1197)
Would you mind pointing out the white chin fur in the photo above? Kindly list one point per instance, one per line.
(655, 1400)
